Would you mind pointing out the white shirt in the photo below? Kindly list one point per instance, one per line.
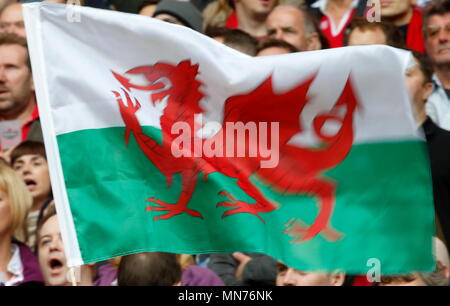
(438, 105)
(14, 267)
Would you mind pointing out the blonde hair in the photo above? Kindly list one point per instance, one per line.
(20, 201)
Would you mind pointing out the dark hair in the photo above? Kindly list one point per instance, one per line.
(28, 147)
(435, 7)
(241, 41)
(49, 212)
(276, 43)
(149, 269)
(144, 3)
(394, 37)
(234, 38)
(13, 39)
(424, 65)
(214, 31)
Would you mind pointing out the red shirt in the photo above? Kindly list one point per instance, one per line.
(361, 280)
(414, 38)
(27, 125)
(335, 37)
(233, 23)
(334, 33)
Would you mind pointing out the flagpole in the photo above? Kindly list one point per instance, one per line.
(72, 276)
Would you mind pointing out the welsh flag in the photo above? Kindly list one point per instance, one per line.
(162, 139)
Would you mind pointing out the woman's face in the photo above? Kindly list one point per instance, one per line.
(5, 213)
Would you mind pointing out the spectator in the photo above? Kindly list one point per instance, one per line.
(275, 47)
(18, 265)
(179, 12)
(244, 269)
(29, 160)
(404, 15)
(294, 26)
(362, 32)
(17, 98)
(11, 20)
(437, 41)
(52, 258)
(234, 38)
(334, 16)
(149, 269)
(291, 277)
(246, 15)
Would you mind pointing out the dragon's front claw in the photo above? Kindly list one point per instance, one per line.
(171, 209)
(128, 113)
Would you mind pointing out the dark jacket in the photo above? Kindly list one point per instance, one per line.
(32, 275)
(199, 276)
(438, 142)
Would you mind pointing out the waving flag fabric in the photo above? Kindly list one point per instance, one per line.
(162, 139)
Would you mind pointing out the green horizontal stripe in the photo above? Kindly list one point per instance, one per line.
(384, 208)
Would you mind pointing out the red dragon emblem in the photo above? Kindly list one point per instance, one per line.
(299, 170)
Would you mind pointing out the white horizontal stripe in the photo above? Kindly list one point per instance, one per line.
(80, 80)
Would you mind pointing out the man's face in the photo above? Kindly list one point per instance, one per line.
(5, 212)
(393, 8)
(52, 259)
(16, 86)
(418, 89)
(367, 37)
(256, 7)
(34, 170)
(437, 39)
(292, 277)
(287, 24)
(11, 20)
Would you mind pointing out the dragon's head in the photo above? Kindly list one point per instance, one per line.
(182, 87)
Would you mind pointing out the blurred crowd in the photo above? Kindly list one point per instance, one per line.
(31, 250)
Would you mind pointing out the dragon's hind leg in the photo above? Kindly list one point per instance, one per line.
(324, 193)
(189, 182)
